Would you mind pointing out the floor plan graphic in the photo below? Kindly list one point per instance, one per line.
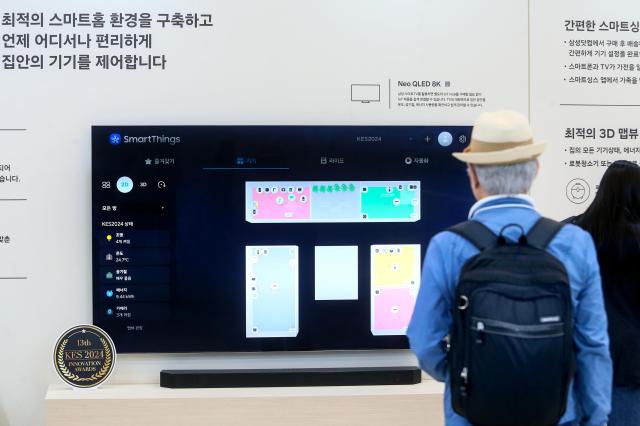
(271, 291)
(332, 201)
(395, 280)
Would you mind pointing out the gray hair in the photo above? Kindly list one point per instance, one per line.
(507, 178)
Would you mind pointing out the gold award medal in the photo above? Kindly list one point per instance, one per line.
(84, 356)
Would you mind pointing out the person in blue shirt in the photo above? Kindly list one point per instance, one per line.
(502, 164)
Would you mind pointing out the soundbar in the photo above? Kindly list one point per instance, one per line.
(177, 379)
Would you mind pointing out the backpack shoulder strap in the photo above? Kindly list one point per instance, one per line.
(543, 232)
(476, 233)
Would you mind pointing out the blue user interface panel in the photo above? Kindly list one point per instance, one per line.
(250, 238)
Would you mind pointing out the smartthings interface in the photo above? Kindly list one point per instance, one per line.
(248, 238)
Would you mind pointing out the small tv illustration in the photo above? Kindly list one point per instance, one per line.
(365, 93)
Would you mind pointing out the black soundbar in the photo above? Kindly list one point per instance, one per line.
(289, 377)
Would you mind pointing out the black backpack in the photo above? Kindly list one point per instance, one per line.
(510, 349)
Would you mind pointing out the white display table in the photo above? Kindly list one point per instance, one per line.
(143, 405)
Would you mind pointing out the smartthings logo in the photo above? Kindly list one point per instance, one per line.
(115, 138)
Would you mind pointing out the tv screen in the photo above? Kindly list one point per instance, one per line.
(252, 238)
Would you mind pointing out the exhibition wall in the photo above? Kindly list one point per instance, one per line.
(584, 96)
(282, 62)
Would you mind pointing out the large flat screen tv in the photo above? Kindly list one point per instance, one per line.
(252, 238)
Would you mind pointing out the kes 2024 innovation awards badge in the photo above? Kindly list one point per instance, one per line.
(84, 356)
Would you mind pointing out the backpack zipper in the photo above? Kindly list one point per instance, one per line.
(480, 335)
(464, 375)
(525, 331)
(463, 304)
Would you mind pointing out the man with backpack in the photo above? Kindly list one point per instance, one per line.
(510, 311)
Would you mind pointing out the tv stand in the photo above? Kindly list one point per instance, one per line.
(151, 405)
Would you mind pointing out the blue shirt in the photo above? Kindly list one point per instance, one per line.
(590, 393)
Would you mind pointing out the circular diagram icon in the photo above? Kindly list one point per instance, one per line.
(578, 191)
(124, 184)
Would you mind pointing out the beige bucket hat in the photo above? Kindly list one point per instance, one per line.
(501, 137)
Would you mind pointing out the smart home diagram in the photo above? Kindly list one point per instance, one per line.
(272, 271)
